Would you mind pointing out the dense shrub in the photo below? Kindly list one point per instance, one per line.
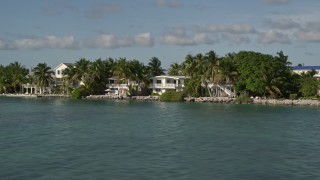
(309, 87)
(293, 96)
(243, 99)
(76, 94)
(154, 94)
(172, 96)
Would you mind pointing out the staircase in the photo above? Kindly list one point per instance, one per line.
(226, 90)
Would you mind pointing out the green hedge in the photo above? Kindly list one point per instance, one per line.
(76, 94)
(172, 96)
(243, 99)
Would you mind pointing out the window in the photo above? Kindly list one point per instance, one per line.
(58, 72)
(174, 82)
(158, 81)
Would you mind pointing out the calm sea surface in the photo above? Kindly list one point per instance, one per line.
(109, 139)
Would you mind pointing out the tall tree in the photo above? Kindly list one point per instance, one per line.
(154, 67)
(174, 69)
(82, 69)
(18, 75)
(263, 74)
(42, 74)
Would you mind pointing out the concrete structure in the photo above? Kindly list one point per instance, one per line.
(159, 84)
(221, 90)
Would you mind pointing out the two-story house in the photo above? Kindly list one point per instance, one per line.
(160, 84)
(58, 73)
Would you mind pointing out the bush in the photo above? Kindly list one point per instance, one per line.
(243, 99)
(76, 94)
(293, 96)
(154, 94)
(172, 96)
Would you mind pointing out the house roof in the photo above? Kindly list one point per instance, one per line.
(169, 77)
(305, 67)
(67, 64)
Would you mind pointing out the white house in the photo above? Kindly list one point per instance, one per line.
(114, 87)
(58, 72)
(304, 69)
(159, 84)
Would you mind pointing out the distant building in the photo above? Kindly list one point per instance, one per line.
(116, 87)
(305, 69)
(159, 84)
(58, 72)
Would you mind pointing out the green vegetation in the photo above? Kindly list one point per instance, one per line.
(251, 73)
(12, 77)
(243, 99)
(172, 96)
(293, 96)
(76, 94)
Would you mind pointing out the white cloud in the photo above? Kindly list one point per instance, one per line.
(232, 28)
(4, 45)
(236, 38)
(29, 43)
(313, 37)
(202, 38)
(169, 3)
(103, 41)
(144, 39)
(32, 42)
(272, 36)
(283, 23)
(109, 41)
(179, 36)
(58, 42)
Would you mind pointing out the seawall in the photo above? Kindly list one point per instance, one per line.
(287, 102)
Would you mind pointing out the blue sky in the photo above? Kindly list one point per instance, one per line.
(55, 31)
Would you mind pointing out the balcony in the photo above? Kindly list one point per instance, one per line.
(166, 86)
(117, 86)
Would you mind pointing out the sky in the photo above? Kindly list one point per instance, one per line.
(56, 31)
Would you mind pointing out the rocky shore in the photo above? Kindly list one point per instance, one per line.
(144, 98)
(303, 102)
(210, 99)
(287, 102)
(35, 95)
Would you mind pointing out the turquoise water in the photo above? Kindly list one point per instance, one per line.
(86, 139)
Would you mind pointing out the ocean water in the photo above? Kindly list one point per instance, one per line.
(47, 138)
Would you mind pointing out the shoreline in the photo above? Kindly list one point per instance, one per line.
(228, 100)
(35, 95)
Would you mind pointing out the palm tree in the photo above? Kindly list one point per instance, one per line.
(228, 69)
(212, 63)
(18, 75)
(188, 66)
(174, 69)
(98, 73)
(42, 74)
(154, 67)
(71, 76)
(82, 68)
(120, 70)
